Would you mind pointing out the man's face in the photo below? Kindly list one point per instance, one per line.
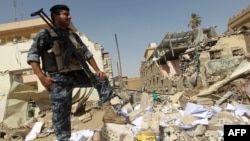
(63, 19)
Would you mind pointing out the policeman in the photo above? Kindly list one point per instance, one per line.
(59, 79)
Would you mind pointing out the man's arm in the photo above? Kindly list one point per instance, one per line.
(46, 81)
(89, 57)
(93, 64)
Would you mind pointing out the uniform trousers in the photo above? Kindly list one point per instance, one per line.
(61, 98)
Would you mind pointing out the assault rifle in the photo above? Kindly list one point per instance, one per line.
(71, 49)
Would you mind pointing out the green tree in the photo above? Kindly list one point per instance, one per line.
(194, 21)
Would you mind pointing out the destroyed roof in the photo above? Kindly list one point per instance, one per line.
(175, 43)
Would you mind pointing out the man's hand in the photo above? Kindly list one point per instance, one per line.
(47, 82)
(101, 74)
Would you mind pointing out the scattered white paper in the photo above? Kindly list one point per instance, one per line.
(137, 107)
(200, 121)
(149, 109)
(126, 110)
(34, 131)
(193, 124)
(192, 108)
(165, 110)
(230, 107)
(198, 111)
(137, 122)
(82, 135)
(240, 110)
(220, 133)
(216, 108)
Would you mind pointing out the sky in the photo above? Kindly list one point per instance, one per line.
(136, 23)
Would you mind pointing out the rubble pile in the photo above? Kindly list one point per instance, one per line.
(168, 120)
(194, 121)
(197, 113)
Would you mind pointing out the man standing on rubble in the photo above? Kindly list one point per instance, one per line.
(155, 98)
(61, 82)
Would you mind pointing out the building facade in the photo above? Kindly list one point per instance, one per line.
(239, 21)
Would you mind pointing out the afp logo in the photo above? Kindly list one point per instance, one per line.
(237, 132)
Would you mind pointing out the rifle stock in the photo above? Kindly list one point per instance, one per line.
(70, 46)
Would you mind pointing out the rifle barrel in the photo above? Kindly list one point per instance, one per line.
(36, 12)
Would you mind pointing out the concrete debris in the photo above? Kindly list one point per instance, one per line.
(34, 131)
(84, 118)
(166, 121)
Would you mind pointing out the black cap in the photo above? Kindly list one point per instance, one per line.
(59, 7)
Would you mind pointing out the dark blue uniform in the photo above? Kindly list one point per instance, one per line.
(61, 92)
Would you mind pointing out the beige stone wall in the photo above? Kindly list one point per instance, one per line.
(107, 67)
(230, 43)
(134, 84)
(237, 21)
(149, 50)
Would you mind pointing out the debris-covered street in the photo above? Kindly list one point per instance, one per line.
(169, 120)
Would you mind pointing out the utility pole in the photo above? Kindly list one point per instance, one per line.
(119, 74)
(14, 3)
(120, 67)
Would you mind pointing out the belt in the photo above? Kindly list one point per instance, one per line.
(60, 73)
(64, 72)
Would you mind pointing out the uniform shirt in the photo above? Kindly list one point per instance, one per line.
(34, 54)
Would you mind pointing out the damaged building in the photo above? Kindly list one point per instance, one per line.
(195, 60)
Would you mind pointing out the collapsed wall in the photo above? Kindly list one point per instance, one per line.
(195, 60)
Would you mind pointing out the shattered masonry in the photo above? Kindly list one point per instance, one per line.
(194, 60)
